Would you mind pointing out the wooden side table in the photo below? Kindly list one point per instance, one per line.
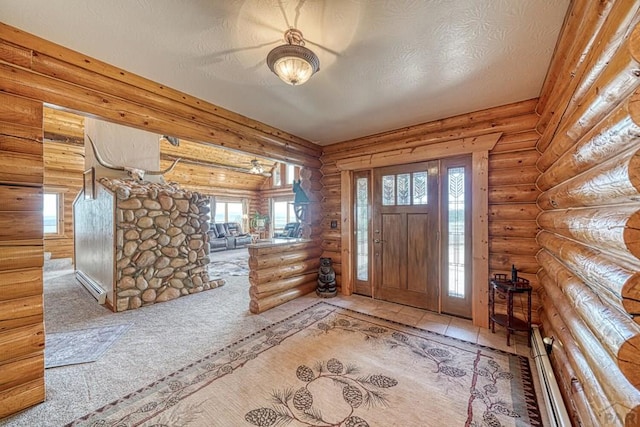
(506, 287)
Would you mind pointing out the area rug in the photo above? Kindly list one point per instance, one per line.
(82, 346)
(329, 366)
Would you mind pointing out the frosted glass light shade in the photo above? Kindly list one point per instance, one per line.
(294, 64)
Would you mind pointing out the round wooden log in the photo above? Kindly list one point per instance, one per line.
(513, 176)
(524, 263)
(634, 43)
(266, 289)
(312, 230)
(611, 21)
(104, 77)
(607, 139)
(616, 82)
(513, 229)
(257, 277)
(401, 141)
(509, 212)
(336, 257)
(633, 107)
(557, 69)
(517, 141)
(617, 332)
(331, 180)
(330, 192)
(511, 245)
(600, 271)
(260, 305)
(517, 113)
(283, 258)
(614, 181)
(259, 250)
(513, 160)
(311, 186)
(580, 411)
(593, 389)
(310, 174)
(522, 193)
(119, 110)
(330, 205)
(616, 386)
(331, 245)
(616, 230)
(329, 167)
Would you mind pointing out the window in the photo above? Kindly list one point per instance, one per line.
(52, 213)
(455, 229)
(291, 174)
(405, 189)
(277, 177)
(228, 212)
(362, 229)
(283, 213)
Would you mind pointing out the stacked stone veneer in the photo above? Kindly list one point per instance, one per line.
(161, 244)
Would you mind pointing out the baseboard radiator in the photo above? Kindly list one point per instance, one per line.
(92, 286)
(556, 409)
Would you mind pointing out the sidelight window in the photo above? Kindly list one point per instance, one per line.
(362, 229)
(456, 232)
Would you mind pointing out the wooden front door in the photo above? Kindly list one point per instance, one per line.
(405, 231)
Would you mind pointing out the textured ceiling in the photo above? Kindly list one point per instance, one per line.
(383, 64)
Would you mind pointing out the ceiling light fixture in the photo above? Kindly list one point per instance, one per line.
(292, 62)
(256, 167)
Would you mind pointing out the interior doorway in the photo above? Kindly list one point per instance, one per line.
(412, 240)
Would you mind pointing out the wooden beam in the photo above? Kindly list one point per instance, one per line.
(70, 80)
(418, 154)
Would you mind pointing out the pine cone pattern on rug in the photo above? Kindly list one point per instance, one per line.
(443, 359)
(303, 399)
(299, 405)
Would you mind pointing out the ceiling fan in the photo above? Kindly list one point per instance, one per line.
(258, 169)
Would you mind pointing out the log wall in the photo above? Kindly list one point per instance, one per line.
(34, 71)
(21, 255)
(280, 272)
(511, 192)
(63, 168)
(590, 183)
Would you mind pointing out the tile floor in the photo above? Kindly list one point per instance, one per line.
(439, 323)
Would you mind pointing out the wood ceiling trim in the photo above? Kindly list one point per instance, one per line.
(418, 154)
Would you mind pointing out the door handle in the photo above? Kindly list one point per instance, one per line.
(378, 241)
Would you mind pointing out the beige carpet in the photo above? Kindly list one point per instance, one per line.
(330, 366)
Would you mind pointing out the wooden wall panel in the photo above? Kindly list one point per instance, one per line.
(512, 174)
(512, 212)
(21, 254)
(63, 168)
(85, 84)
(590, 275)
(34, 71)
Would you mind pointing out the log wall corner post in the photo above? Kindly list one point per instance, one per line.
(21, 255)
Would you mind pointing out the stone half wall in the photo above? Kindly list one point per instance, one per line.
(161, 245)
